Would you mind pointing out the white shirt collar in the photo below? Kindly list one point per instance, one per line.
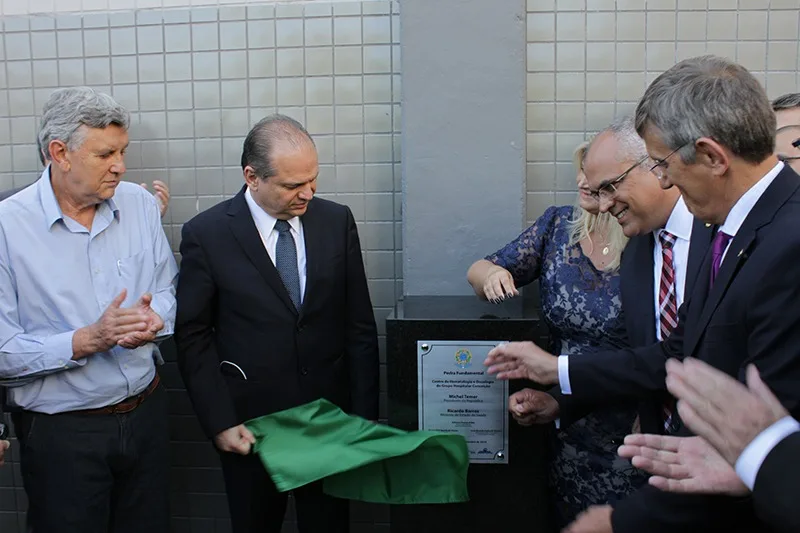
(264, 221)
(745, 204)
(680, 221)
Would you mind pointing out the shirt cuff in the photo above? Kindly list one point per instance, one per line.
(563, 374)
(749, 462)
(164, 308)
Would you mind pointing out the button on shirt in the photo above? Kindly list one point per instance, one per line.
(56, 277)
(265, 223)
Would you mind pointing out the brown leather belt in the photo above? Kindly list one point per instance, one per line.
(127, 405)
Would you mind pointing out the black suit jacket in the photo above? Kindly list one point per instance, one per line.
(638, 310)
(778, 484)
(638, 307)
(233, 307)
(750, 316)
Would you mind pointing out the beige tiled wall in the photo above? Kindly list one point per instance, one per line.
(590, 60)
(197, 78)
(26, 7)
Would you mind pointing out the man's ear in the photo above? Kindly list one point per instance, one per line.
(58, 155)
(712, 154)
(251, 178)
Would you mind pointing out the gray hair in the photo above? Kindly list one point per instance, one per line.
(786, 101)
(262, 139)
(624, 131)
(709, 96)
(69, 109)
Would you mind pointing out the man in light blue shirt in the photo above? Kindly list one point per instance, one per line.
(87, 289)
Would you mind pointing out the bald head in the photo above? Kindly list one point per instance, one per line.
(272, 134)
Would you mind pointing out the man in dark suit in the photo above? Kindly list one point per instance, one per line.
(274, 312)
(710, 129)
(652, 215)
(737, 426)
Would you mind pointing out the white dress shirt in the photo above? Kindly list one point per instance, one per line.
(265, 223)
(745, 204)
(749, 463)
(679, 224)
(733, 222)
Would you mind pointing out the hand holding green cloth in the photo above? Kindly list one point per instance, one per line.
(359, 459)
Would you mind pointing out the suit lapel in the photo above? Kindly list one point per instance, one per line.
(638, 290)
(244, 230)
(313, 235)
(739, 251)
(699, 243)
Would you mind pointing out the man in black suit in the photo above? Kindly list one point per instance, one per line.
(649, 213)
(737, 426)
(274, 312)
(710, 129)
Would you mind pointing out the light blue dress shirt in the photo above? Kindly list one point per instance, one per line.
(57, 277)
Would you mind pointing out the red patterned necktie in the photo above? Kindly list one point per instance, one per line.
(667, 297)
(667, 306)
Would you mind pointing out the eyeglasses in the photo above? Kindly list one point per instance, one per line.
(661, 164)
(607, 191)
(787, 158)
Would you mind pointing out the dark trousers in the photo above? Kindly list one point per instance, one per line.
(256, 506)
(97, 473)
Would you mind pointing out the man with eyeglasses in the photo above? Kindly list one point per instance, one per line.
(658, 261)
(787, 136)
(711, 128)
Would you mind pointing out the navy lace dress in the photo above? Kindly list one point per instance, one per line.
(582, 308)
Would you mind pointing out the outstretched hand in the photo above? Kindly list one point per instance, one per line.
(682, 464)
(522, 360)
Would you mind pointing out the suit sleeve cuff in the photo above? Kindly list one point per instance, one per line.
(749, 462)
(563, 374)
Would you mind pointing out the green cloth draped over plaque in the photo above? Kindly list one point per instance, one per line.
(359, 459)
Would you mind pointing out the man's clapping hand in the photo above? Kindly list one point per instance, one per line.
(127, 327)
(154, 324)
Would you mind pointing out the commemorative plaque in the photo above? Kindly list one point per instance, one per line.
(456, 395)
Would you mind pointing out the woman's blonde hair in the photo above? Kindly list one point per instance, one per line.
(585, 223)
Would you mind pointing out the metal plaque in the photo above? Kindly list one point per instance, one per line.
(456, 395)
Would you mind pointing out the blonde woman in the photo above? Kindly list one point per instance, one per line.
(574, 252)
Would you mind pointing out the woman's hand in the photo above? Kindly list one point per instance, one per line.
(498, 284)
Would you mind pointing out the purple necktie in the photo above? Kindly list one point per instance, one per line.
(721, 241)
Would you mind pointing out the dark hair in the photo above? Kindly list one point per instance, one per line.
(264, 136)
(787, 101)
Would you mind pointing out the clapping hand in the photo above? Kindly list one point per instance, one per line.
(682, 464)
(728, 414)
(152, 325)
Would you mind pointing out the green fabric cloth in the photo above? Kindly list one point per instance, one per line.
(359, 459)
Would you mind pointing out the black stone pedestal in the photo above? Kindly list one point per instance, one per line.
(503, 497)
